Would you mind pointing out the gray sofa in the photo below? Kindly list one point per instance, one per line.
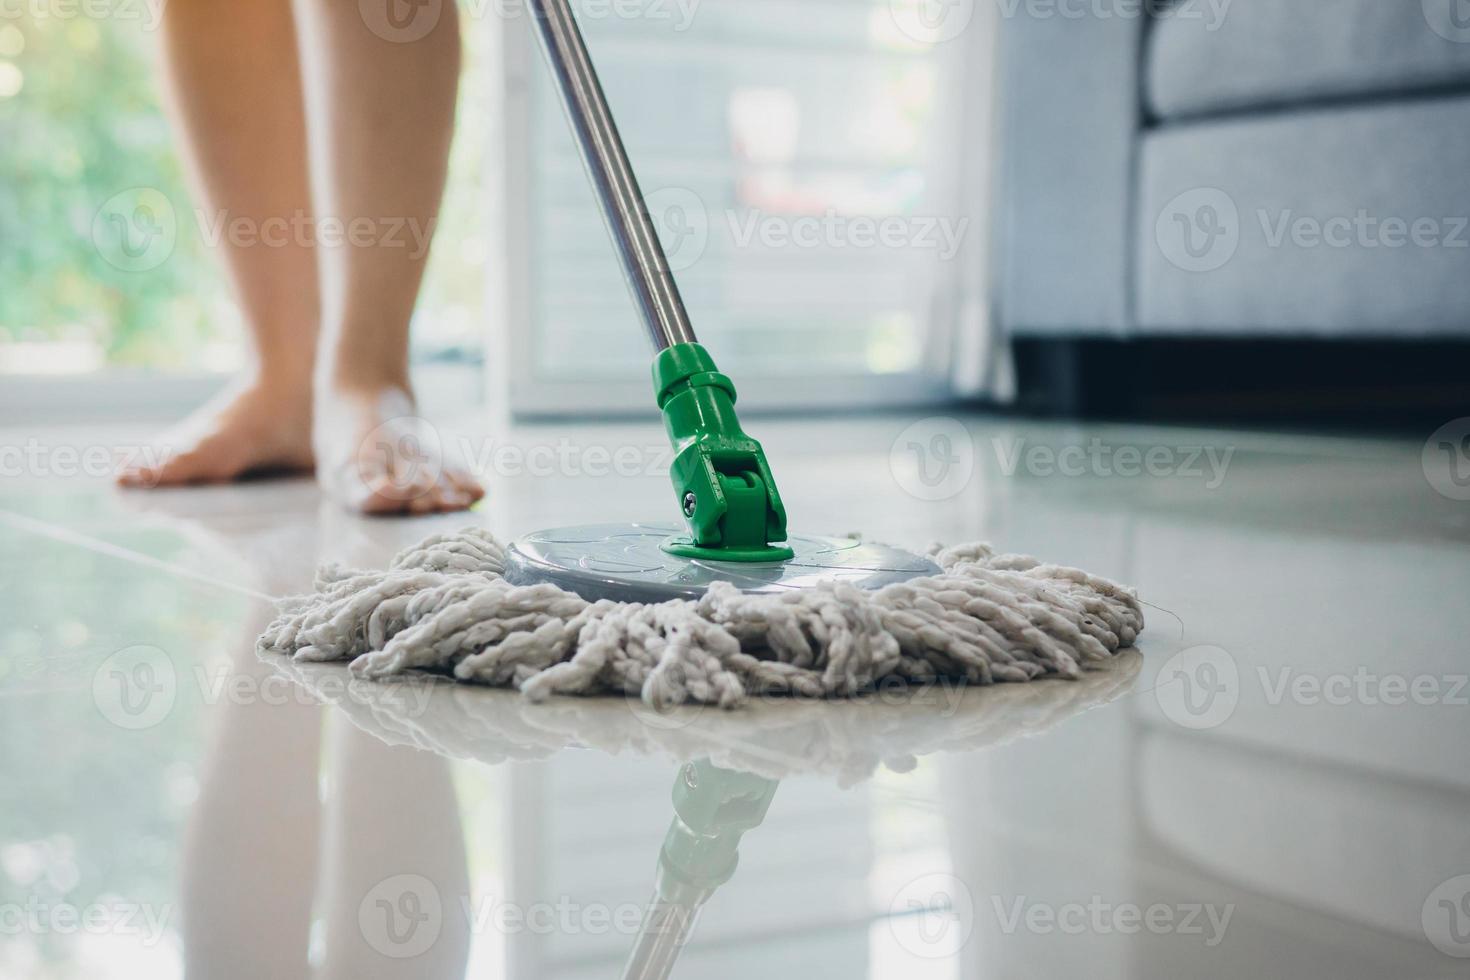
(1234, 168)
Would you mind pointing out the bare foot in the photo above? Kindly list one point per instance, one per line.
(377, 456)
(248, 428)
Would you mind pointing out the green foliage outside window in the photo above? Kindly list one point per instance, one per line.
(103, 261)
(80, 137)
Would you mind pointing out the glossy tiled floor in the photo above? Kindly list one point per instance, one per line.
(1276, 784)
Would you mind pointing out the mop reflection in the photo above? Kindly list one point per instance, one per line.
(843, 741)
(713, 809)
(337, 837)
(727, 763)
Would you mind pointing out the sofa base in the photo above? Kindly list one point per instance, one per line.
(1388, 385)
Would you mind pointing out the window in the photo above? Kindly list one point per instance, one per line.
(797, 154)
(789, 151)
(106, 265)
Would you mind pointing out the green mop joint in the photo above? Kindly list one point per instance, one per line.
(722, 482)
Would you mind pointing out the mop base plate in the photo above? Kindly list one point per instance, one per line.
(629, 563)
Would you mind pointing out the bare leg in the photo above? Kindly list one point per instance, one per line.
(235, 89)
(381, 115)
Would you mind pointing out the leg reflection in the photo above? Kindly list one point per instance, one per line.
(394, 874)
(250, 850)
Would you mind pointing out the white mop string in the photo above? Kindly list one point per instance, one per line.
(443, 606)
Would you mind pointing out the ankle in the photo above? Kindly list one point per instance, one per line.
(288, 383)
(368, 384)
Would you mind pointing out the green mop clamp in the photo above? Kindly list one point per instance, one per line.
(722, 482)
(714, 808)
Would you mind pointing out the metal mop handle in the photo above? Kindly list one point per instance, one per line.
(722, 483)
(639, 249)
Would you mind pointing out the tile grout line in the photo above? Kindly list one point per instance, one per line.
(65, 535)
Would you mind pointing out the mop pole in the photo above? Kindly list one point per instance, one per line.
(637, 242)
(722, 484)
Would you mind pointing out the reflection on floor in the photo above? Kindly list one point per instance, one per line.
(1275, 784)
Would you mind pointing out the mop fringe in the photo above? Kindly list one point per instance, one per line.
(443, 606)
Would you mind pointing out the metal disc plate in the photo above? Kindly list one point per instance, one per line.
(624, 562)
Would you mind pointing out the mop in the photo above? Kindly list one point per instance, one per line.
(731, 605)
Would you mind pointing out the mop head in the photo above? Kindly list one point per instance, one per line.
(444, 606)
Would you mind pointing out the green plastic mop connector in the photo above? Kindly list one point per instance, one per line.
(722, 483)
(713, 809)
